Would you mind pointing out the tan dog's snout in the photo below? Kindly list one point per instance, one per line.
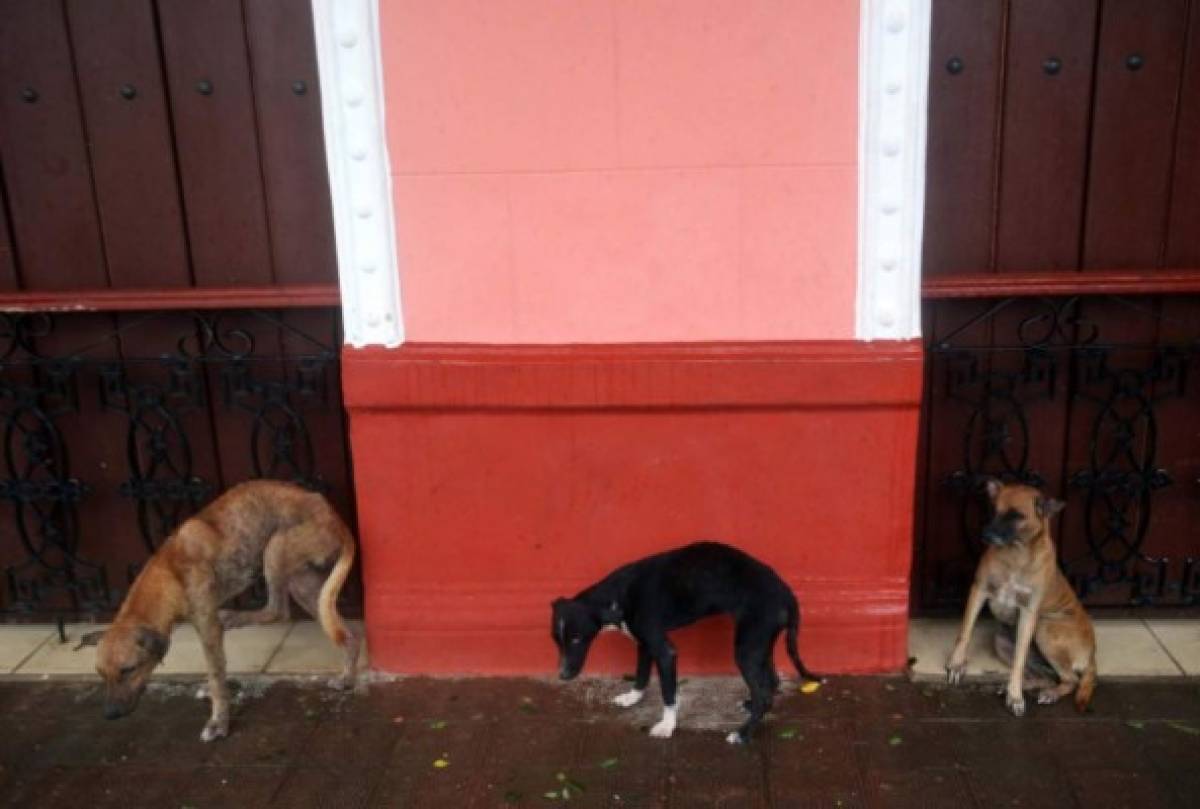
(124, 659)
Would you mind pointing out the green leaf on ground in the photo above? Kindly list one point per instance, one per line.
(895, 741)
(789, 733)
(1182, 728)
(512, 796)
(1135, 724)
(608, 763)
(437, 724)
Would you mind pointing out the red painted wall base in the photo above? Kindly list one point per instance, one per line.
(492, 479)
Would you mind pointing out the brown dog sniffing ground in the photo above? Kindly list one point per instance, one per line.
(289, 534)
(1020, 581)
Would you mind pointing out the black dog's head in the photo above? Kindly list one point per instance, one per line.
(1020, 513)
(573, 626)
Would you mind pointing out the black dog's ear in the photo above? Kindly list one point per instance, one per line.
(612, 614)
(1047, 507)
(558, 602)
(154, 642)
(90, 639)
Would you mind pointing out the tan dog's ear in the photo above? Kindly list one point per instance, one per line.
(154, 642)
(1047, 507)
(90, 639)
(992, 486)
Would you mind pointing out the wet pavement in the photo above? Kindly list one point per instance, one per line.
(856, 742)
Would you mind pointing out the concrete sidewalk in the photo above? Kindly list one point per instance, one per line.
(435, 744)
(1128, 647)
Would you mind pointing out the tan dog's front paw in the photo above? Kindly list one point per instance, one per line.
(215, 729)
(955, 670)
(1015, 702)
(1048, 697)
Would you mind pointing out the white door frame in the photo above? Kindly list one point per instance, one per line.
(360, 181)
(893, 89)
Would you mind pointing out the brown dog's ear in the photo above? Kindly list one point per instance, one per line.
(90, 639)
(1047, 507)
(154, 642)
(992, 486)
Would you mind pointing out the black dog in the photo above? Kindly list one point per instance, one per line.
(648, 598)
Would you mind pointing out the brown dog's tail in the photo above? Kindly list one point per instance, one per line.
(793, 631)
(1087, 685)
(328, 615)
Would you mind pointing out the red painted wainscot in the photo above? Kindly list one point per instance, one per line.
(491, 479)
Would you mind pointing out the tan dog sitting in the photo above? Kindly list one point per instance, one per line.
(287, 533)
(1020, 580)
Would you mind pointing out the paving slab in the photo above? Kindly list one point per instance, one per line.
(1181, 639)
(498, 742)
(306, 650)
(17, 643)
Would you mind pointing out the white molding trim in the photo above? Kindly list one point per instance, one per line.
(893, 89)
(360, 183)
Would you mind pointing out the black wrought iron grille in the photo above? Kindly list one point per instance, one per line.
(1018, 378)
(251, 372)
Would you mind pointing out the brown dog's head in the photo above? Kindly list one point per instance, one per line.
(1020, 514)
(125, 656)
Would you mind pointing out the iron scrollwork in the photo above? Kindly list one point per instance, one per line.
(158, 397)
(1057, 352)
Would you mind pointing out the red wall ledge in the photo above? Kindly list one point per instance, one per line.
(491, 479)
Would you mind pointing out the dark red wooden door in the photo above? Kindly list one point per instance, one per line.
(1062, 254)
(161, 163)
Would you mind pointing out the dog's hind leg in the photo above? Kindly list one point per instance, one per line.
(275, 571)
(305, 587)
(770, 673)
(664, 657)
(751, 650)
(1059, 655)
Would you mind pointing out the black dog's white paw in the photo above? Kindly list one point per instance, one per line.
(735, 738)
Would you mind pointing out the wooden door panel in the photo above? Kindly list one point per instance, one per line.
(212, 107)
(124, 102)
(1139, 62)
(1044, 153)
(288, 101)
(965, 72)
(1183, 238)
(8, 257)
(43, 150)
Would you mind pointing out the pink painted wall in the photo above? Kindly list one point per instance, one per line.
(623, 170)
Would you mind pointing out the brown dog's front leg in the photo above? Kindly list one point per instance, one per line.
(208, 625)
(956, 667)
(1015, 695)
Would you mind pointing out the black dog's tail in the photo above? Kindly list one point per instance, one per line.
(793, 630)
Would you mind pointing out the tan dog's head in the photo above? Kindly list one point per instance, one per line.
(1020, 514)
(125, 656)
